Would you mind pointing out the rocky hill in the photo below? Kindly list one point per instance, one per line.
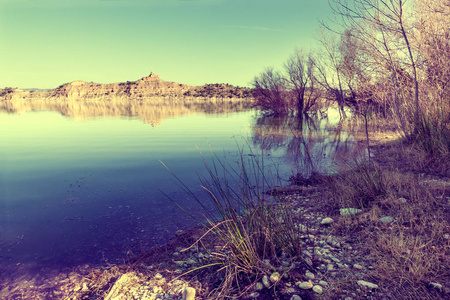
(146, 87)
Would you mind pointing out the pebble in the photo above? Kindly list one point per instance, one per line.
(259, 286)
(254, 295)
(323, 283)
(402, 200)
(363, 283)
(178, 282)
(290, 290)
(318, 289)
(309, 275)
(275, 277)
(85, 287)
(358, 266)
(386, 220)
(305, 285)
(296, 297)
(189, 293)
(265, 281)
(327, 221)
(349, 211)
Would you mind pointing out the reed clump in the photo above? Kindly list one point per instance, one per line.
(258, 234)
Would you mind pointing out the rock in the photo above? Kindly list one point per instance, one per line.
(265, 281)
(386, 220)
(305, 285)
(275, 277)
(402, 200)
(349, 211)
(357, 266)
(323, 283)
(290, 290)
(318, 289)
(327, 221)
(188, 293)
(309, 275)
(308, 261)
(367, 284)
(85, 287)
(123, 281)
(178, 282)
(296, 297)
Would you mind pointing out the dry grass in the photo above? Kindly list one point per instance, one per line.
(257, 235)
(413, 250)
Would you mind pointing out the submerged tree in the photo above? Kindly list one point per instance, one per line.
(270, 90)
(294, 90)
(301, 82)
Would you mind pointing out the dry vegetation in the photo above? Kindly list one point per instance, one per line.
(391, 63)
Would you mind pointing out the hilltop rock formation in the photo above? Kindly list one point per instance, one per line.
(147, 87)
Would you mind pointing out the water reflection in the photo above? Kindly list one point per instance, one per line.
(315, 143)
(84, 192)
(152, 111)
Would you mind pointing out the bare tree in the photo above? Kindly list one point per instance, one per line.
(294, 90)
(388, 19)
(329, 72)
(270, 91)
(433, 39)
(301, 81)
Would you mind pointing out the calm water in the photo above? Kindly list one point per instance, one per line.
(75, 192)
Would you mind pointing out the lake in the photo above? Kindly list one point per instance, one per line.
(85, 190)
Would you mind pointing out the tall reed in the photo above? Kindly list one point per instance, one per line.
(257, 232)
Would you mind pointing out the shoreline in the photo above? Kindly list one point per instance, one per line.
(342, 266)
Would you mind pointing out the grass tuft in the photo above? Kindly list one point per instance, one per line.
(359, 186)
(258, 233)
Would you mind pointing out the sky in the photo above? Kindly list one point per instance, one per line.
(45, 43)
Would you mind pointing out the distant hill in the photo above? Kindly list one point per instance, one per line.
(146, 87)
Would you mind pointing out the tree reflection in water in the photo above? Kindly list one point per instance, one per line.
(316, 143)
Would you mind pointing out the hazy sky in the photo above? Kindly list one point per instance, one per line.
(44, 43)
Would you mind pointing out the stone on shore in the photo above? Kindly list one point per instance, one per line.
(349, 211)
(188, 293)
(305, 285)
(386, 220)
(327, 221)
(367, 284)
(275, 277)
(318, 289)
(265, 281)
